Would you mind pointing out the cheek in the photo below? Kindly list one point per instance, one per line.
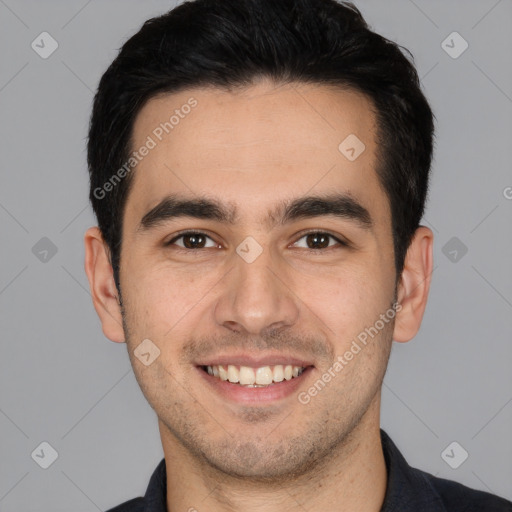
(161, 302)
(349, 303)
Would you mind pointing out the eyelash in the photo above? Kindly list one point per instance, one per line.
(185, 233)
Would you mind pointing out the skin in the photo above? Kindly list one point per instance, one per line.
(254, 148)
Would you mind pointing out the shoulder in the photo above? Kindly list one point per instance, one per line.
(155, 496)
(410, 488)
(459, 498)
(134, 505)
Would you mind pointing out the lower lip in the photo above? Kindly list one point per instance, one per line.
(243, 394)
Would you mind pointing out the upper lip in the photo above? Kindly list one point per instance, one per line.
(255, 361)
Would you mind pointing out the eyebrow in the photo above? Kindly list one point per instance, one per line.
(339, 205)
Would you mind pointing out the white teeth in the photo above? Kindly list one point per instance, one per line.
(264, 375)
(255, 377)
(233, 374)
(223, 374)
(278, 373)
(247, 375)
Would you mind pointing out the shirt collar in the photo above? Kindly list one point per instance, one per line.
(407, 488)
(155, 499)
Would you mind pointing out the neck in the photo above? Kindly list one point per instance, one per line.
(353, 477)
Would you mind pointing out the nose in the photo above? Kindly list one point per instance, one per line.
(257, 298)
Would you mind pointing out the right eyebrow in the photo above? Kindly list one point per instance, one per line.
(173, 206)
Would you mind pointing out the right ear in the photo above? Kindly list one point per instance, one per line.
(101, 282)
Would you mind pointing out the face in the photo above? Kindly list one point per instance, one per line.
(261, 278)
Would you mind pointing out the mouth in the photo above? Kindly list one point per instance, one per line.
(254, 381)
(260, 377)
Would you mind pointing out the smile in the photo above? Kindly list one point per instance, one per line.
(248, 376)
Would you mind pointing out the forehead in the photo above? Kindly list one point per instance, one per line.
(256, 146)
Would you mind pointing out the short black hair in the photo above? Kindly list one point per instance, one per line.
(233, 43)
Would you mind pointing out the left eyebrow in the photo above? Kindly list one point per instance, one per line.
(339, 205)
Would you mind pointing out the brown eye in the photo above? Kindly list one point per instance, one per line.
(319, 240)
(191, 240)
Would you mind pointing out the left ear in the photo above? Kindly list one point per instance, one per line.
(414, 285)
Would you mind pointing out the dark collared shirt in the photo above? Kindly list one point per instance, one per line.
(408, 490)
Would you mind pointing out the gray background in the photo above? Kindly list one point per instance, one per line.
(63, 382)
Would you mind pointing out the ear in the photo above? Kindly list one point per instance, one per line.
(101, 282)
(414, 285)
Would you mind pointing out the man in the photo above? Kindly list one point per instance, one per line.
(259, 171)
